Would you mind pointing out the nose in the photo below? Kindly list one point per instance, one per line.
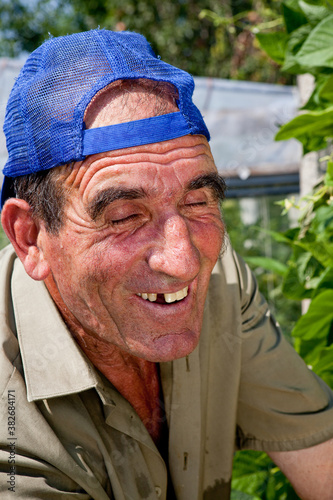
(174, 254)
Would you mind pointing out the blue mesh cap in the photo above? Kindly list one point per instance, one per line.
(44, 124)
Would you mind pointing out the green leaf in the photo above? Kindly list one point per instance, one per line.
(328, 378)
(323, 221)
(329, 174)
(246, 462)
(240, 495)
(292, 287)
(317, 48)
(309, 123)
(303, 266)
(269, 264)
(323, 366)
(325, 281)
(314, 13)
(309, 350)
(293, 15)
(291, 234)
(308, 269)
(315, 324)
(313, 142)
(254, 474)
(326, 90)
(287, 237)
(253, 482)
(321, 250)
(279, 488)
(329, 171)
(274, 44)
(322, 94)
(295, 42)
(325, 362)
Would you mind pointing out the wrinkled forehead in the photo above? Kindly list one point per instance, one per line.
(167, 167)
(190, 156)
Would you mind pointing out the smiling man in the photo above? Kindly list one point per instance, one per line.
(137, 352)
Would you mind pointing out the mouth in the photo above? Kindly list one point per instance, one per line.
(165, 298)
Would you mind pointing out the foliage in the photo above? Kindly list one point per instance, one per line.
(303, 46)
(255, 477)
(307, 39)
(204, 37)
(251, 239)
(308, 275)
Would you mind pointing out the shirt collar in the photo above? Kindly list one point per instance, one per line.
(53, 363)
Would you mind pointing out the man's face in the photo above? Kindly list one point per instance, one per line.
(141, 234)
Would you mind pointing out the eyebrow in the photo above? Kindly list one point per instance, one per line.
(213, 181)
(107, 196)
(98, 204)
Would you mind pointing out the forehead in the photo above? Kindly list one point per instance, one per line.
(127, 102)
(166, 165)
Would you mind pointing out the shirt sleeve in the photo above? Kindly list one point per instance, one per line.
(33, 479)
(282, 404)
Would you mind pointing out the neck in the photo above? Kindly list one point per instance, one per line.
(136, 379)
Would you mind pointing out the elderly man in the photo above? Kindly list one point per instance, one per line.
(135, 358)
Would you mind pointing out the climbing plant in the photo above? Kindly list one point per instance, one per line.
(303, 45)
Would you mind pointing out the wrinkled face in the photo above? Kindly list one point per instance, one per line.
(141, 235)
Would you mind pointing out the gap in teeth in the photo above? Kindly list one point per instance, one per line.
(168, 297)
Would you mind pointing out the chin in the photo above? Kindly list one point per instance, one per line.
(172, 346)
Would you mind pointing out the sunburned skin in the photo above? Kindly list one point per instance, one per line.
(130, 267)
(156, 237)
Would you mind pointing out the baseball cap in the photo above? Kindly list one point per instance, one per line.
(44, 123)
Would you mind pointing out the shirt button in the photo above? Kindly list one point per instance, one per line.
(158, 491)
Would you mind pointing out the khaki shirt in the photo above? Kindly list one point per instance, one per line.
(72, 435)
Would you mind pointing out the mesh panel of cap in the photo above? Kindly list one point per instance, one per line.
(44, 118)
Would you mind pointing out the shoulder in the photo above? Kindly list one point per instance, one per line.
(10, 360)
(7, 258)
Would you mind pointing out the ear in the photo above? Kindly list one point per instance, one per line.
(23, 232)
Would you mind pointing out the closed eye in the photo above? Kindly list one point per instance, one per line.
(124, 220)
(197, 204)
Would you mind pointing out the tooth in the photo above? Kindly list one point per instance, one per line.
(170, 297)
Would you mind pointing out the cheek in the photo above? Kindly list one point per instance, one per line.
(112, 261)
(208, 238)
(67, 263)
(108, 262)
